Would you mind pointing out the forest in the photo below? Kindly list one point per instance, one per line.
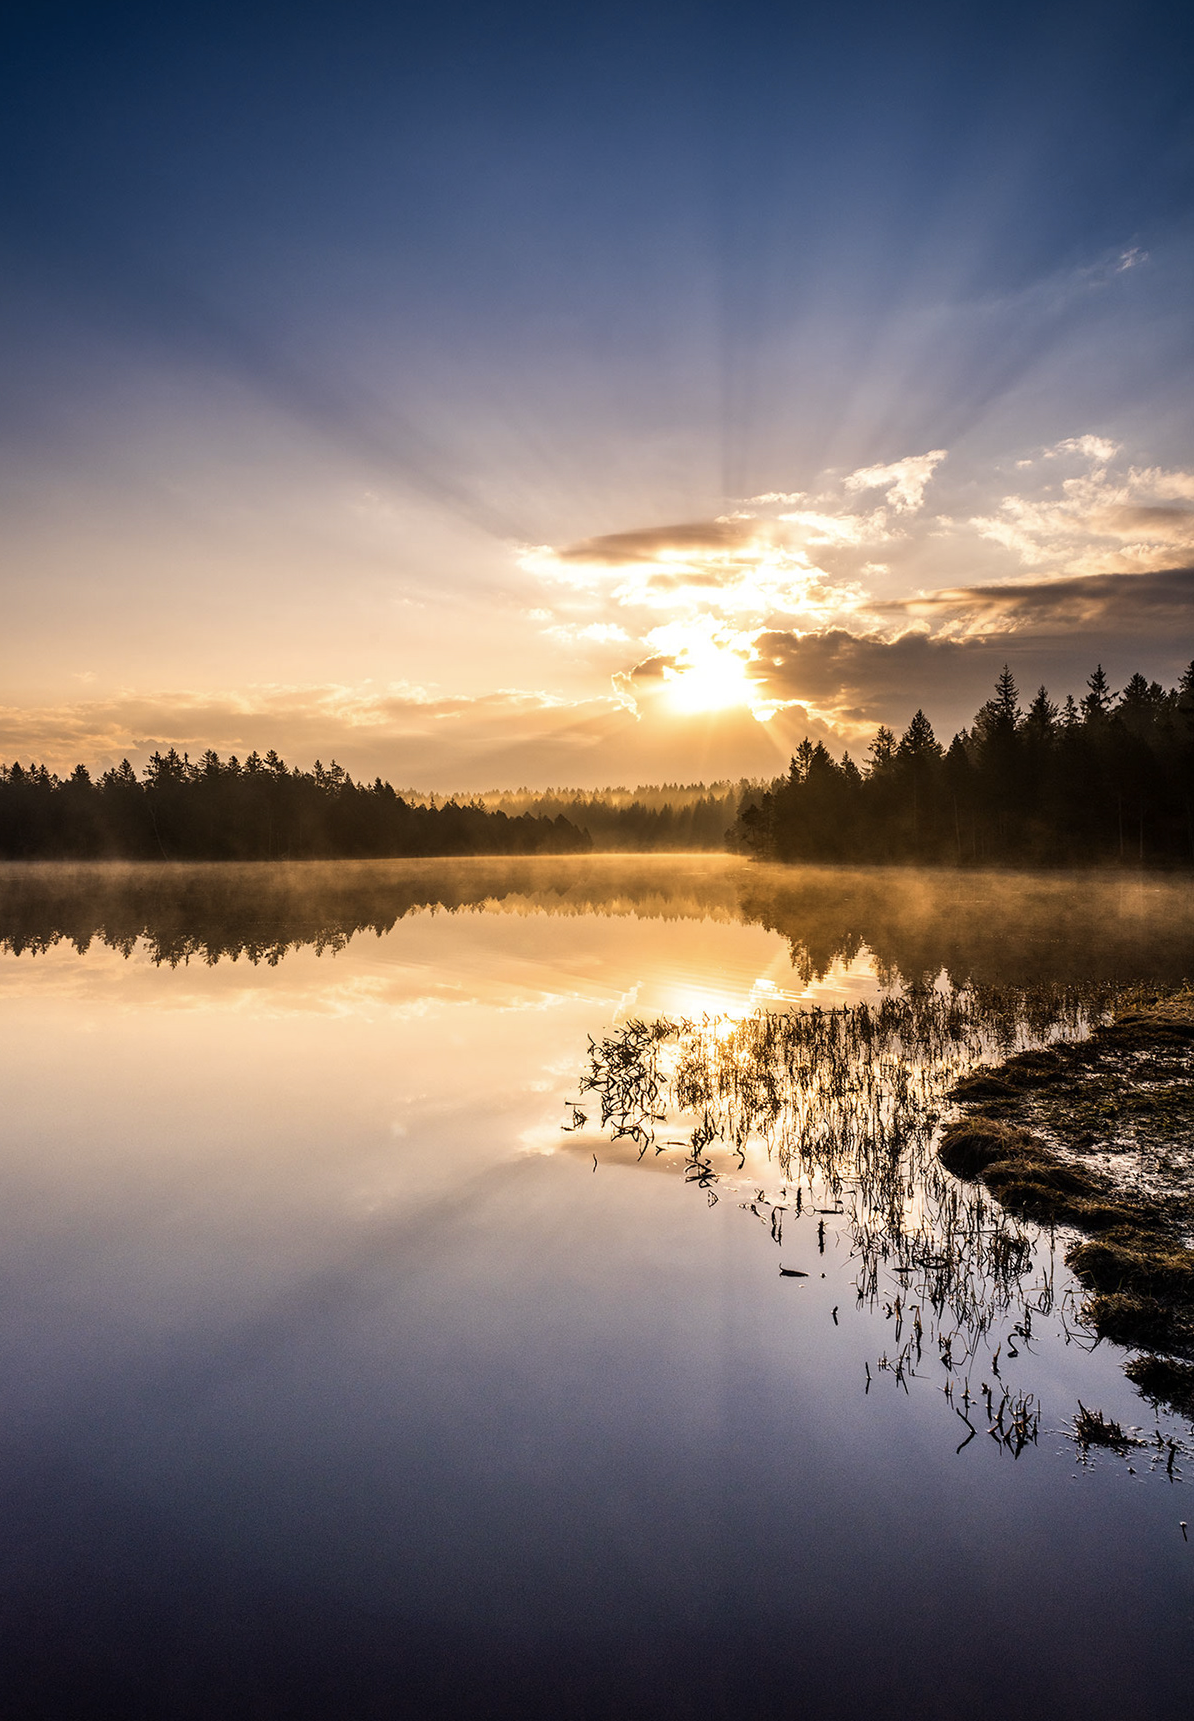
(1107, 779)
(673, 816)
(217, 809)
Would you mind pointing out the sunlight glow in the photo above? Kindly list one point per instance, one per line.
(709, 678)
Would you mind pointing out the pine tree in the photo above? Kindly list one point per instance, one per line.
(881, 750)
(918, 740)
(1040, 724)
(1006, 702)
(803, 758)
(1185, 697)
(1100, 698)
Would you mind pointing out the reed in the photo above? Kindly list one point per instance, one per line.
(840, 1109)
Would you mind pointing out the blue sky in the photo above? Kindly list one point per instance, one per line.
(854, 344)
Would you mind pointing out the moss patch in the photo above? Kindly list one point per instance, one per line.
(1046, 1132)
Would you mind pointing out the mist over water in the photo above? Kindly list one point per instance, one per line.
(342, 1378)
(913, 923)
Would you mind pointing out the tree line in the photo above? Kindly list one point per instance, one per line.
(1108, 778)
(261, 809)
(670, 816)
(1105, 779)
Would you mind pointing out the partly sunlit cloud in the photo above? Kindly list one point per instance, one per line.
(694, 596)
(1123, 604)
(1096, 448)
(903, 481)
(1097, 521)
(747, 626)
(821, 530)
(778, 606)
(699, 667)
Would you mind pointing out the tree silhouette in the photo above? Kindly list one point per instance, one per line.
(1108, 780)
(261, 810)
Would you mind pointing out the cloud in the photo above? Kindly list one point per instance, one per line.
(744, 568)
(412, 737)
(781, 610)
(820, 530)
(655, 543)
(1097, 521)
(1096, 448)
(1155, 481)
(851, 682)
(738, 629)
(903, 480)
(604, 633)
(710, 551)
(1127, 603)
(857, 680)
(305, 721)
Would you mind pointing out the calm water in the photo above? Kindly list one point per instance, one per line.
(339, 1381)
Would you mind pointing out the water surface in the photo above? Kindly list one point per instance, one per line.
(338, 1380)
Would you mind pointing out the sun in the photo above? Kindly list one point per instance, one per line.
(708, 678)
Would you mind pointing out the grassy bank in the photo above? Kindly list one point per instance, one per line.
(1099, 1135)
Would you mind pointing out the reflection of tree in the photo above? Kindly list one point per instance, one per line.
(260, 913)
(987, 927)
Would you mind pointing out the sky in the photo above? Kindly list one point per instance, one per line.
(496, 395)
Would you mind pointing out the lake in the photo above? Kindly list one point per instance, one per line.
(344, 1377)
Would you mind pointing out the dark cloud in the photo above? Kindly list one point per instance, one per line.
(860, 679)
(1129, 603)
(867, 678)
(650, 541)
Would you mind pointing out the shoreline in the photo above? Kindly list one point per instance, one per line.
(1098, 1135)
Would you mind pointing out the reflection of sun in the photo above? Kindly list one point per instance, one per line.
(709, 678)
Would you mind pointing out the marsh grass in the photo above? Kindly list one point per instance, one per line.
(1092, 1428)
(840, 1106)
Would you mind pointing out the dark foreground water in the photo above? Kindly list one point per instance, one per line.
(338, 1380)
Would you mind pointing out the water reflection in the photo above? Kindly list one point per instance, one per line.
(909, 924)
(332, 1366)
(834, 1113)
